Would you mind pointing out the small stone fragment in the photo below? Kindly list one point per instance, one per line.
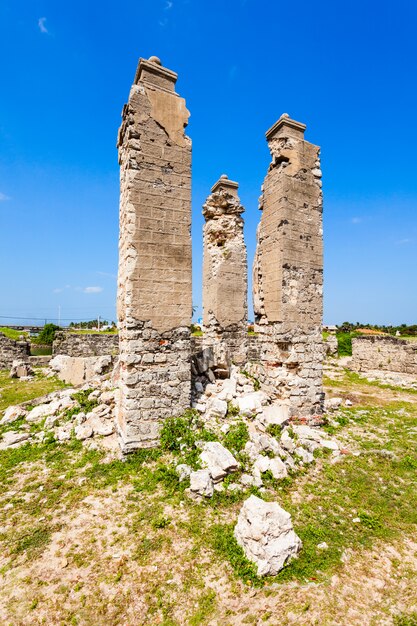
(218, 460)
(201, 483)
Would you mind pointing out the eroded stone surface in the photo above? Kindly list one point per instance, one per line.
(288, 271)
(225, 310)
(266, 534)
(154, 283)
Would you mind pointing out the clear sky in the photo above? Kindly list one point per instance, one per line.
(346, 69)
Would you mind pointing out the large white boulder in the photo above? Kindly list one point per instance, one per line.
(266, 534)
(218, 460)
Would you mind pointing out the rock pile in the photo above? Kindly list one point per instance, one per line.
(274, 444)
(84, 414)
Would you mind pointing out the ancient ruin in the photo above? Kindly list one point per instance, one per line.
(385, 353)
(154, 283)
(288, 270)
(225, 309)
(11, 350)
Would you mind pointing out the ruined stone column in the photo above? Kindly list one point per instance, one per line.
(225, 310)
(154, 282)
(288, 270)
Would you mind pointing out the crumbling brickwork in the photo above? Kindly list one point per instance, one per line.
(85, 345)
(384, 353)
(288, 270)
(225, 311)
(11, 350)
(154, 282)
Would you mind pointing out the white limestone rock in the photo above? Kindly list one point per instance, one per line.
(51, 408)
(201, 483)
(278, 468)
(251, 404)
(329, 444)
(275, 414)
(183, 471)
(12, 413)
(265, 532)
(83, 431)
(287, 442)
(216, 408)
(332, 404)
(228, 390)
(304, 455)
(21, 369)
(12, 439)
(218, 460)
(306, 432)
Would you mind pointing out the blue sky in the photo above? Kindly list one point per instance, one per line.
(346, 69)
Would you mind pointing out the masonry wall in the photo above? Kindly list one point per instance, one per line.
(154, 282)
(11, 350)
(384, 353)
(288, 271)
(85, 345)
(225, 310)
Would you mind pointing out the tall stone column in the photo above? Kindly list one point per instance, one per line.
(225, 310)
(288, 270)
(154, 282)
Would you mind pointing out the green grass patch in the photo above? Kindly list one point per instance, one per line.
(15, 391)
(236, 437)
(11, 333)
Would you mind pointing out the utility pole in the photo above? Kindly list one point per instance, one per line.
(98, 322)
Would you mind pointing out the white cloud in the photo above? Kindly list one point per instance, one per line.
(356, 220)
(61, 289)
(402, 242)
(168, 5)
(92, 289)
(107, 274)
(3, 197)
(41, 24)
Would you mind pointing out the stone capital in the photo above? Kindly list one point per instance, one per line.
(284, 126)
(224, 184)
(151, 72)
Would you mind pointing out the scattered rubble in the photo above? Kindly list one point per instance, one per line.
(21, 369)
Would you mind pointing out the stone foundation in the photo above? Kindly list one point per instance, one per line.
(85, 345)
(11, 350)
(288, 271)
(154, 283)
(385, 353)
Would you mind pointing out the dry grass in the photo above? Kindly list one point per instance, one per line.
(119, 544)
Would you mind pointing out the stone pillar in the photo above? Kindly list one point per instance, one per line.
(288, 270)
(225, 310)
(154, 282)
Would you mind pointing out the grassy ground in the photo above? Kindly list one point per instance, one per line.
(14, 391)
(11, 333)
(91, 543)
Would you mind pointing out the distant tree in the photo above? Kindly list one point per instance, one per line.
(47, 335)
